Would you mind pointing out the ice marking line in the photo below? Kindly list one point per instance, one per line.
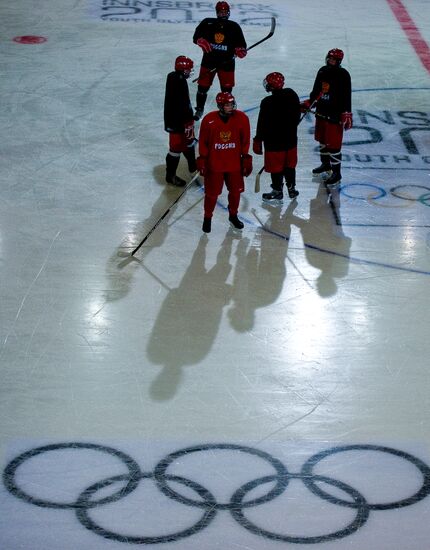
(350, 258)
(394, 89)
(412, 33)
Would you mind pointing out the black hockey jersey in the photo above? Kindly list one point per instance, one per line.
(334, 84)
(278, 119)
(177, 105)
(224, 36)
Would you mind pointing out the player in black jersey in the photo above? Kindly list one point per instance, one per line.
(221, 41)
(333, 113)
(178, 120)
(277, 124)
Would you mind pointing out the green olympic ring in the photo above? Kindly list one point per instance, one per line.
(424, 198)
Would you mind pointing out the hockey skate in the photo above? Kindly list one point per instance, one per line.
(273, 196)
(321, 169)
(335, 176)
(292, 192)
(334, 179)
(235, 222)
(207, 223)
(176, 181)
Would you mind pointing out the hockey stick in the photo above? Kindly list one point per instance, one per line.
(257, 180)
(258, 176)
(269, 35)
(154, 227)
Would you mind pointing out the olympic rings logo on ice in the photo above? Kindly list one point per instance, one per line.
(399, 192)
(204, 500)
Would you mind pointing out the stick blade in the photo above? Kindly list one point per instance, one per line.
(272, 26)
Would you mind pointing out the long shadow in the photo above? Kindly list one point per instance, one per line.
(260, 268)
(189, 318)
(327, 248)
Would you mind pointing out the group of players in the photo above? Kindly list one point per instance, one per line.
(225, 135)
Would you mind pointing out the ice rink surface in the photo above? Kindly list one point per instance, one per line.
(262, 389)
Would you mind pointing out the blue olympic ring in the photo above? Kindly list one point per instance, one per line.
(381, 192)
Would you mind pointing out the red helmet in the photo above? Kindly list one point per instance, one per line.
(222, 10)
(273, 81)
(225, 98)
(336, 54)
(184, 64)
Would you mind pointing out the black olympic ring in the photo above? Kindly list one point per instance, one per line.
(11, 468)
(87, 522)
(281, 478)
(359, 503)
(207, 502)
(307, 472)
(422, 198)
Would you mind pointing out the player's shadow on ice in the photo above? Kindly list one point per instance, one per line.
(261, 268)
(189, 318)
(121, 266)
(327, 248)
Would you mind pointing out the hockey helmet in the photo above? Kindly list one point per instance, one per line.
(184, 64)
(273, 81)
(222, 10)
(335, 54)
(223, 99)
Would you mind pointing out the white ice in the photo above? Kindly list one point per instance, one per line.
(306, 331)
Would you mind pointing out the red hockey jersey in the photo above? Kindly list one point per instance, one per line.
(223, 141)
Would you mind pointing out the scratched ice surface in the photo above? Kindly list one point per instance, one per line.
(306, 332)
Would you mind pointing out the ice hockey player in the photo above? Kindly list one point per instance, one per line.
(333, 113)
(224, 142)
(221, 41)
(178, 120)
(277, 123)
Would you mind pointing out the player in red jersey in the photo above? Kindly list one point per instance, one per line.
(221, 41)
(223, 148)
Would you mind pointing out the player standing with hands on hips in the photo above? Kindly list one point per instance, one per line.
(221, 41)
(277, 123)
(333, 113)
(178, 120)
(224, 142)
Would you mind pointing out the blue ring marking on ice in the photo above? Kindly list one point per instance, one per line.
(382, 192)
(340, 255)
(332, 252)
(399, 89)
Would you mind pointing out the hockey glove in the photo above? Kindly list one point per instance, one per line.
(240, 52)
(257, 146)
(204, 44)
(246, 165)
(201, 165)
(305, 105)
(346, 120)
